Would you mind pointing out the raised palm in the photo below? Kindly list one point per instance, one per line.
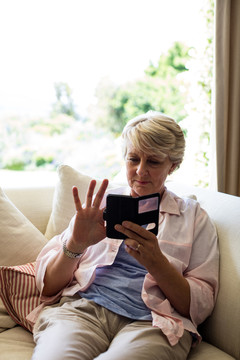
(89, 228)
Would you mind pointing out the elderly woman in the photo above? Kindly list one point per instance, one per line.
(138, 298)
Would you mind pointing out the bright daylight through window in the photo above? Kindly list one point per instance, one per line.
(73, 72)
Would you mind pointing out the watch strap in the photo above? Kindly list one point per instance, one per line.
(69, 253)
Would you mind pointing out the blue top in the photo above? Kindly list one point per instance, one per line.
(118, 287)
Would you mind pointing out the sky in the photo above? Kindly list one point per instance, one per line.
(82, 41)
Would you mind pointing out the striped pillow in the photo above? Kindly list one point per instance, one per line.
(18, 292)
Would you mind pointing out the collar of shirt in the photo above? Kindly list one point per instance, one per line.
(169, 203)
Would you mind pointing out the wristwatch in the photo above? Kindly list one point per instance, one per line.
(69, 253)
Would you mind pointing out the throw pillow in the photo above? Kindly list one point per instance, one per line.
(63, 206)
(20, 240)
(18, 292)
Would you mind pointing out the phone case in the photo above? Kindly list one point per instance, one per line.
(141, 210)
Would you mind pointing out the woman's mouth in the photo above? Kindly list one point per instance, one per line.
(140, 182)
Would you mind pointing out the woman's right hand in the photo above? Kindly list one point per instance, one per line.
(88, 228)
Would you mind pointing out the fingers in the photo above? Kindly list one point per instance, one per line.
(129, 234)
(77, 202)
(134, 231)
(138, 239)
(99, 196)
(90, 193)
(133, 246)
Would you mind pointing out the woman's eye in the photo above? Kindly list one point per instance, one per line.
(133, 159)
(153, 162)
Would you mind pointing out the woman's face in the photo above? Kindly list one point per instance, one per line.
(146, 174)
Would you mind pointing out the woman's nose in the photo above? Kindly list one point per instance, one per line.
(142, 169)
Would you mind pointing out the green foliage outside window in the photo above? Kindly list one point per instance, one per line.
(161, 88)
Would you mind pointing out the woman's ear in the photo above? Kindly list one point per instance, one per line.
(173, 167)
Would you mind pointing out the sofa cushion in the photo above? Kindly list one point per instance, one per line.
(222, 327)
(205, 351)
(18, 292)
(33, 202)
(63, 206)
(21, 241)
(17, 344)
(6, 322)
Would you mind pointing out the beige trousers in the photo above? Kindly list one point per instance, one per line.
(83, 330)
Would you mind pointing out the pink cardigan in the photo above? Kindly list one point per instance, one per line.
(188, 239)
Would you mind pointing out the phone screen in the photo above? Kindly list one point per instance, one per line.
(149, 204)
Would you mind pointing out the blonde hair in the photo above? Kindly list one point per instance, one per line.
(155, 134)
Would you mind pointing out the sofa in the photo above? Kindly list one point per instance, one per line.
(30, 215)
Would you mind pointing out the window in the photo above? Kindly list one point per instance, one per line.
(62, 62)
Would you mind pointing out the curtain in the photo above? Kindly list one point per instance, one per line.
(227, 95)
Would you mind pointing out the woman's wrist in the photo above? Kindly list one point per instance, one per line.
(69, 253)
(159, 266)
(72, 247)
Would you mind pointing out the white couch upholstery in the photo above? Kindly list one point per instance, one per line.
(221, 331)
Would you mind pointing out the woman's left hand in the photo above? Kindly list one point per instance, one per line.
(142, 245)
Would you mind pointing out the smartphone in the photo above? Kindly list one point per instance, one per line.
(142, 210)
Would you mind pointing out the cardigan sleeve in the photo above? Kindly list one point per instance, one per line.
(203, 269)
